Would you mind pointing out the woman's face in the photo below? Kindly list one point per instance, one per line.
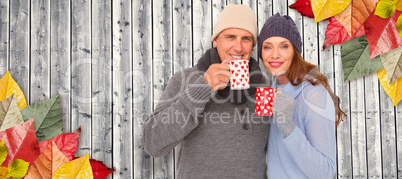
(277, 54)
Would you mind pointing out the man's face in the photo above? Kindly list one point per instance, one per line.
(234, 44)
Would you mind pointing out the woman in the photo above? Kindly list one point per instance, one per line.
(302, 142)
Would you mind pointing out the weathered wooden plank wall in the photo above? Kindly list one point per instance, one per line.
(111, 60)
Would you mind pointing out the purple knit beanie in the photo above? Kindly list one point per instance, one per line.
(282, 26)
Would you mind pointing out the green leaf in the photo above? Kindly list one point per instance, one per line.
(10, 114)
(48, 118)
(3, 152)
(392, 62)
(17, 169)
(399, 25)
(385, 8)
(356, 59)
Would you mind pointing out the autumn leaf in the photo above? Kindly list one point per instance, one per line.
(356, 59)
(398, 5)
(67, 143)
(3, 172)
(21, 143)
(304, 7)
(8, 86)
(99, 170)
(382, 34)
(47, 163)
(10, 114)
(324, 9)
(3, 152)
(385, 8)
(48, 117)
(337, 34)
(393, 90)
(78, 168)
(392, 62)
(17, 169)
(399, 25)
(353, 17)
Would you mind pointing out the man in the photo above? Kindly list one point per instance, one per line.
(216, 126)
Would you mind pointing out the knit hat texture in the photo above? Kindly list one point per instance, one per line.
(236, 16)
(282, 26)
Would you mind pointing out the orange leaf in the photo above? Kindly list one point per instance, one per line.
(355, 14)
(398, 5)
(8, 86)
(3, 172)
(47, 163)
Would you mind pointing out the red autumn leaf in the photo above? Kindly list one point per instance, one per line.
(21, 143)
(304, 7)
(382, 34)
(337, 34)
(99, 170)
(66, 142)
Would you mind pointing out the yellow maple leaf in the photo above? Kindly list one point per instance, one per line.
(8, 86)
(78, 168)
(324, 9)
(393, 90)
(355, 14)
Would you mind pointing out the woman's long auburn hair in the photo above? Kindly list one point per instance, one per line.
(300, 66)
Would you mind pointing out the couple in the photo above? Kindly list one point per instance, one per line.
(219, 134)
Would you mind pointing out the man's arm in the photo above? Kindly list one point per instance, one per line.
(176, 114)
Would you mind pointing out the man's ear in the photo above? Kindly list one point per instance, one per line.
(215, 42)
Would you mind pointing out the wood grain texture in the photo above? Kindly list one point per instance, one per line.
(162, 71)
(81, 67)
(142, 80)
(102, 81)
(4, 36)
(358, 129)
(40, 53)
(19, 65)
(344, 149)
(310, 46)
(388, 136)
(60, 57)
(202, 28)
(373, 130)
(280, 6)
(122, 90)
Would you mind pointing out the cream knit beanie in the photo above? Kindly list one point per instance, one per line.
(236, 16)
